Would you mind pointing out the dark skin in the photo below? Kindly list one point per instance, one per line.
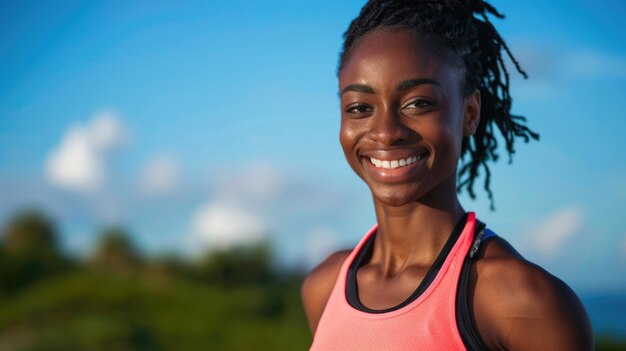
(402, 98)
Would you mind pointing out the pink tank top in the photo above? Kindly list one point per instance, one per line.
(427, 323)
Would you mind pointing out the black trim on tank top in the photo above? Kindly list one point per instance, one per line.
(365, 254)
(464, 316)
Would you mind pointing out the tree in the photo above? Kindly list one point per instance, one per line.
(116, 252)
(29, 251)
(242, 264)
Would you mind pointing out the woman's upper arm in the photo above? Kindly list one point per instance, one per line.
(318, 285)
(554, 319)
(518, 306)
(523, 307)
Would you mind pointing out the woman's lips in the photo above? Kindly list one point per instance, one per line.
(395, 170)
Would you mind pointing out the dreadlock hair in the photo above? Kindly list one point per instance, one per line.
(462, 28)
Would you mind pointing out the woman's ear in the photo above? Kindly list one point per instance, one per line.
(471, 113)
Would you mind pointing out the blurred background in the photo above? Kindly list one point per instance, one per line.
(169, 171)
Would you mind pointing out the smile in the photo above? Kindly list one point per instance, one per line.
(396, 170)
(393, 164)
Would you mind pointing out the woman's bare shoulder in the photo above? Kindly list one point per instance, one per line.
(520, 306)
(318, 285)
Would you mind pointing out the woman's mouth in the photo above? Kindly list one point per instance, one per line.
(393, 164)
(396, 170)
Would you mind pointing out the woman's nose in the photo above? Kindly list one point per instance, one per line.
(387, 128)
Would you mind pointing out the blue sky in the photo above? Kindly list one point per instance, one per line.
(201, 124)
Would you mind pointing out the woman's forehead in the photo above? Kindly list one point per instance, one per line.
(389, 56)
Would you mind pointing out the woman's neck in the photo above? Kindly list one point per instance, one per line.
(414, 233)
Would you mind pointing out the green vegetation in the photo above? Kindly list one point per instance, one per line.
(119, 300)
(86, 311)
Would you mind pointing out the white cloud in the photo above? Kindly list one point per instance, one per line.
(75, 164)
(78, 162)
(258, 198)
(239, 210)
(218, 225)
(320, 243)
(107, 132)
(550, 234)
(160, 175)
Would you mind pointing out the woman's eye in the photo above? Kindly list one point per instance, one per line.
(419, 104)
(360, 108)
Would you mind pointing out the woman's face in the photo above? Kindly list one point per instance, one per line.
(403, 117)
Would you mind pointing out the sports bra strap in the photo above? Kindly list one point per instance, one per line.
(465, 321)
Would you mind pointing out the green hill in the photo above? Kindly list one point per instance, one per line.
(86, 311)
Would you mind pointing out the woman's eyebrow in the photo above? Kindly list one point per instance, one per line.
(361, 88)
(408, 84)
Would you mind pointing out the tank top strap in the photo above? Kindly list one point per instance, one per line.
(345, 266)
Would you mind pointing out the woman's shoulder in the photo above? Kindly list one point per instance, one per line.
(519, 305)
(324, 275)
(318, 285)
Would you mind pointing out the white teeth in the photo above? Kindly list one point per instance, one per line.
(394, 163)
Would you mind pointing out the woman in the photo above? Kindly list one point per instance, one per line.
(422, 84)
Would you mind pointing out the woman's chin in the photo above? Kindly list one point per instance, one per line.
(394, 197)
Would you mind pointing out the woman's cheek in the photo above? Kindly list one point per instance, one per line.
(349, 135)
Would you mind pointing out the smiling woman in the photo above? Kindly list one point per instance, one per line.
(411, 111)
(422, 83)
